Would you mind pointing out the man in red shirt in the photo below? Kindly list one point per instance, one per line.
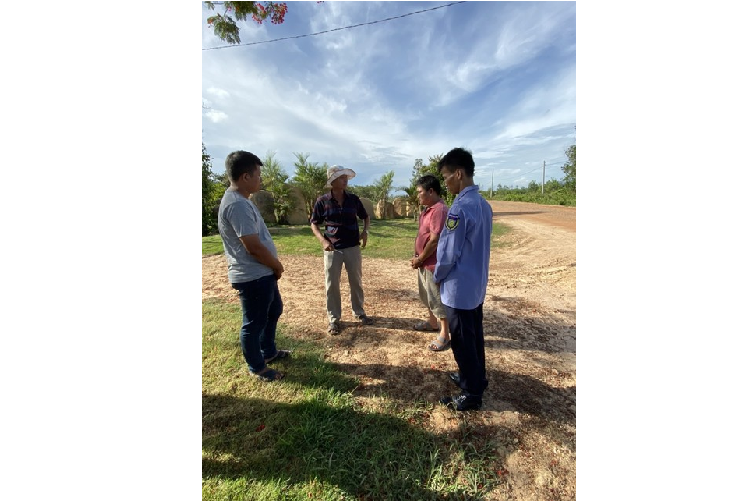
(431, 222)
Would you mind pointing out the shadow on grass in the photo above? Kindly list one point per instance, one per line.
(291, 447)
(515, 392)
(308, 438)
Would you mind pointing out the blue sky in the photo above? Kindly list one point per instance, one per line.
(498, 78)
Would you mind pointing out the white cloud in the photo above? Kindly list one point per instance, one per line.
(376, 97)
(216, 116)
(218, 92)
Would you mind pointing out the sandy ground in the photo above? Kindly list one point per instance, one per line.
(529, 407)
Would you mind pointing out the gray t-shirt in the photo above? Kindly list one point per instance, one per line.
(238, 216)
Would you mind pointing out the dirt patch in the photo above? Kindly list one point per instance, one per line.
(530, 332)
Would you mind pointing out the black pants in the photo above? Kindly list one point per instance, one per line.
(467, 343)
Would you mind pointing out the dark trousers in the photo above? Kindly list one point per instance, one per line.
(261, 309)
(467, 343)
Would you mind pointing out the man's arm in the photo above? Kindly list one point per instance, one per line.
(264, 256)
(429, 248)
(327, 245)
(450, 247)
(365, 232)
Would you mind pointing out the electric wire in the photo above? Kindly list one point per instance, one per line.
(334, 29)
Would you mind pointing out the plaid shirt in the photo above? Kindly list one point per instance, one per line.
(340, 221)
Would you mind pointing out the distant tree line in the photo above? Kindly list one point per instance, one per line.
(554, 192)
(310, 177)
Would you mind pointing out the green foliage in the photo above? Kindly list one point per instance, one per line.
(383, 187)
(275, 181)
(310, 179)
(212, 192)
(555, 193)
(412, 199)
(367, 191)
(411, 192)
(569, 168)
(225, 27)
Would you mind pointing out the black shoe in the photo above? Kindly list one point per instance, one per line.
(462, 402)
(455, 378)
(365, 320)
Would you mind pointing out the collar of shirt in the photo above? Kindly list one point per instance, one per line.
(333, 198)
(426, 208)
(466, 190)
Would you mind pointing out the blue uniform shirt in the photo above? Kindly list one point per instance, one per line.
(463, 252)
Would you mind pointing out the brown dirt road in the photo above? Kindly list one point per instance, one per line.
(529, 411)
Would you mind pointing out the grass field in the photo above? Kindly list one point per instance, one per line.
(388, 239)
(310, 437)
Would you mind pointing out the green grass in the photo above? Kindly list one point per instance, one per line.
(212, 245)
(308, 437)
(388, 239)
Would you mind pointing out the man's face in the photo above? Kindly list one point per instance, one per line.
(253, 180)
(340, 183)
(451, 180)
(424, 195)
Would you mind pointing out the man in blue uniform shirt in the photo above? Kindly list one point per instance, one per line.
(462, 270)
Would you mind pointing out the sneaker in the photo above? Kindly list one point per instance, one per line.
(365, 320)
(462, 402)
(334, 328)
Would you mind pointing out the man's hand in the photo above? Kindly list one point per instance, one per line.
(415, 262)
(278, 271)
(363, 238)
(327, 245)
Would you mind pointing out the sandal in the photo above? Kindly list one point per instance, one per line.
(334, 328)
(439, 344)
(269, 375)
(425, 326)
(281, 354)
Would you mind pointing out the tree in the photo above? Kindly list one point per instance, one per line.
(310, 179)
(212, 191)
(569, 168)
(364, 191)
(275, 181)
(411, 192)
(226, 28)
(383, 187)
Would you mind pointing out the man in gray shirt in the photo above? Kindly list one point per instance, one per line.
(254, 267)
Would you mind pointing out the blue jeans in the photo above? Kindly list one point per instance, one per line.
(467, 343)
(261, 309)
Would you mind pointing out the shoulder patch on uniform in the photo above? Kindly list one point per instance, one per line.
(451, 222)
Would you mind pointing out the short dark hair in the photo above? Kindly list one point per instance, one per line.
(240, 162)
(428, 182)
(458, 158)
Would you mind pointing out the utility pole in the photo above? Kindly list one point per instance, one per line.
(492, 184)
(544, 165)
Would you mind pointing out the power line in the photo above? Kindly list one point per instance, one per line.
(517, 175)
(334, 29)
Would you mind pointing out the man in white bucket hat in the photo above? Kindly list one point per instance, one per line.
(338, 211)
